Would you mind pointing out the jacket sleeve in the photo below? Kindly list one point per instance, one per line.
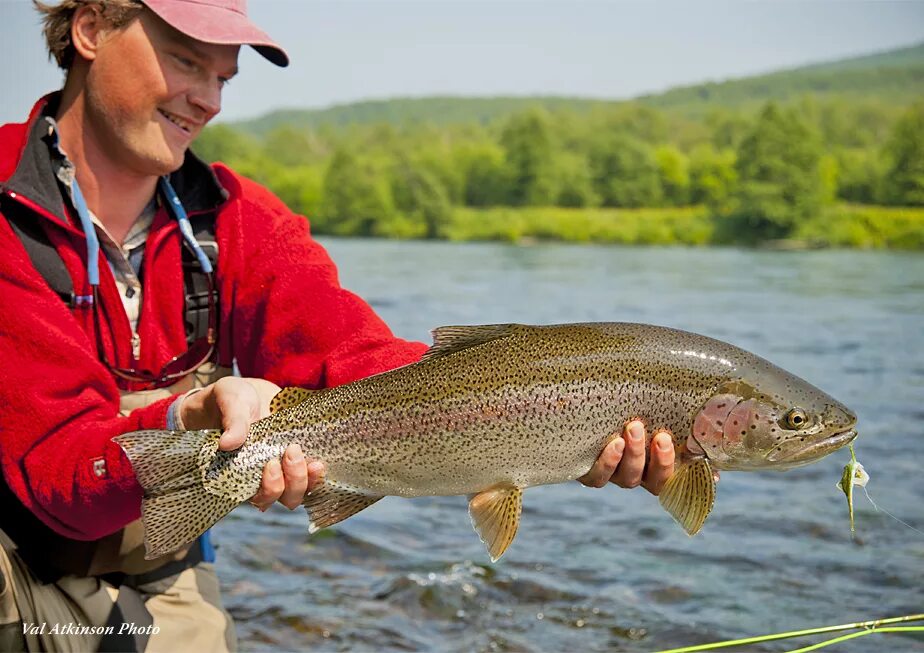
(290, 321)
(59, 409)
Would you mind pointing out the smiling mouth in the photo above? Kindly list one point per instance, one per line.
(179, 122)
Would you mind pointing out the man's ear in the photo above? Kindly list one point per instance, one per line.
(87, 28)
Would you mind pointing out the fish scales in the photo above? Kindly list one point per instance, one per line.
(444, 426)
(492, 410)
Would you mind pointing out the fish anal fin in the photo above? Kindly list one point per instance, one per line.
(450, 339)
(288, 397)
(495, 514)
(331, 503)
(689, 494)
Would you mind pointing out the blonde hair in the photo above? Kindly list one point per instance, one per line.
(57, 21)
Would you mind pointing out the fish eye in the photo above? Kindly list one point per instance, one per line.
(796, 419)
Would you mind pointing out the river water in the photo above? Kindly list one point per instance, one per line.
(608, 570)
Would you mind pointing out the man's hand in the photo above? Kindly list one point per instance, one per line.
(623, 461)
(233, 404)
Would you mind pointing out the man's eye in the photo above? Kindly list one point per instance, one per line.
(183, 61)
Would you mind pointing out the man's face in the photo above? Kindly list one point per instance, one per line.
(150, 91)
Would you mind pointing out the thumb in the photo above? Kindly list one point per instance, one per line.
(239, 405)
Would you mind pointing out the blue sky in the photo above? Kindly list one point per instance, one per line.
(347, 50)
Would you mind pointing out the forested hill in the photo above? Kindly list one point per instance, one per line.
(896, 76)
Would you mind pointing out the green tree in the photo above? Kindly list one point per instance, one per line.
(420, 196)
(647, 124)
(859, 175)
(575, 182)
(904, 181)
(728, 129)
(712, 177)
(289, 146)
(673, 169)
(779, 176)
(354, 199)
(225, 144)
(625, 172)
(300, 187)
(484, 174)
(527, 143)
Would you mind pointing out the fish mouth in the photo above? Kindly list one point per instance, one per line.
(818, 449)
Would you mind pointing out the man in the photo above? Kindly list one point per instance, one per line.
(105, 163)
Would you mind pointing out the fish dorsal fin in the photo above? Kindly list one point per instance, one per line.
(288, 397)
(332, 502)
(450, 339)
(495, 515)
(689, 495)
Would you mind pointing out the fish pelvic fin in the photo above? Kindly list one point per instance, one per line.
(288, 397)
(176, 508)
(331, 503)
(689, 494)
(495, 514)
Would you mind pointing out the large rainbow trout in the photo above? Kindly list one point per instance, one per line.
(492, 410)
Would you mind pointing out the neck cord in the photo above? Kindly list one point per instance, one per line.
(89, 230)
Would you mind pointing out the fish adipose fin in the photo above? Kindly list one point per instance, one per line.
(689, 495)
(288, 397)
(450, 339)
(176, 508)
(331, 503)
(495, 515)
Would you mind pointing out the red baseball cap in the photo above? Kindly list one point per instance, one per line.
(218, 21)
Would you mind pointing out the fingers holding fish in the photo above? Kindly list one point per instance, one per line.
(660, 462)
(295, 473)
(316, 472)
(301, 476)
(232, 404)
(272, 485)
(605, 465)
(288, 482)
(242, 401)
(631, 468)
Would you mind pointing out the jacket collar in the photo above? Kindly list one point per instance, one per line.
(33, 175)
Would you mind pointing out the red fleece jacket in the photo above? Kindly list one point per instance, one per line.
(283, 317)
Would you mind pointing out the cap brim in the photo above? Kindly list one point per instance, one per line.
(211, 24)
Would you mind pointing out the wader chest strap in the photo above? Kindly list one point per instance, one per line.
(46, 260)
(43, 254)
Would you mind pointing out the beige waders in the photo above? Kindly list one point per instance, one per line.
(123, 602)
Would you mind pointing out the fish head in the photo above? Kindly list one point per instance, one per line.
(771, 420)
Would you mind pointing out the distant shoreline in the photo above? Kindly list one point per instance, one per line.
(849, 226)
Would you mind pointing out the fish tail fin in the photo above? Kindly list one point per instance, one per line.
(176, 508)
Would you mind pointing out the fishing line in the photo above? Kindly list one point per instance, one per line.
(878, 509)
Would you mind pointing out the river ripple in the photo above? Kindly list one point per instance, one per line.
(608, 570)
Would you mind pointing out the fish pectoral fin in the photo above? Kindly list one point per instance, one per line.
(450, 339)
(688, 495)
(495, 515)
(331, 503)
(288, 397)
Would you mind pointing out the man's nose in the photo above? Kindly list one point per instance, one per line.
(207, 97)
